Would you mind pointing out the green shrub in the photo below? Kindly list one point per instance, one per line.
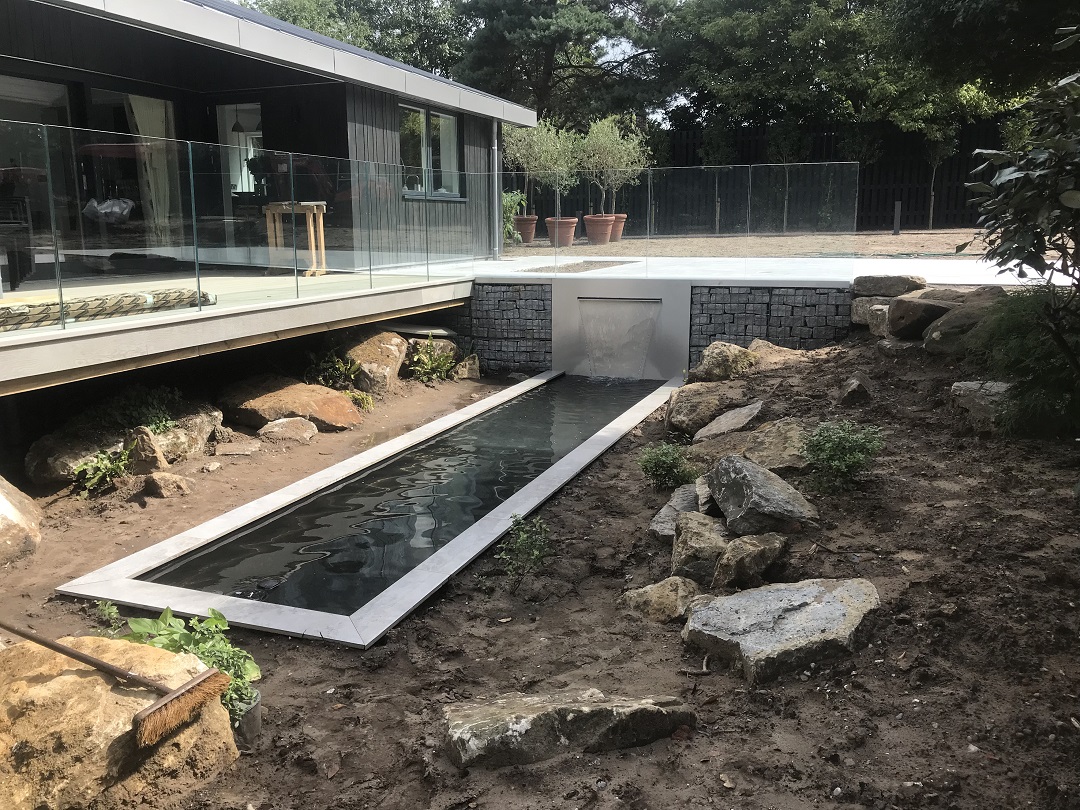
(523, 549)
(430, 363)
(1013, 343)
(665, 465)
(206, 639)
(512, 203)
(137, 406)
(362, 400)
(332, 370)
(100, 473)
(839, 451)
(107, 613)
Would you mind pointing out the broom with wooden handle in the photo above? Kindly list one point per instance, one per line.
(173, 709)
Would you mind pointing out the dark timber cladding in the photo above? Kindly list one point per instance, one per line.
(409, 229)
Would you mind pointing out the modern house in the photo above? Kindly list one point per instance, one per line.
(204, 159)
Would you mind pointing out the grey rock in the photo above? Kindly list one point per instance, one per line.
(684, 499)
(775, 629)
(20, 523)
(290, 429)
(211, 466)
(706, 504)
(877, 320)
(887, 286)
(518, 729)
(856, 389)
(693, 406)
(892, 347)
(195, 424)
(167, 485)
(467, 369)
(947, 335)
(700, 541)
(980, 401)
(239, 446)
(745, 558)
(909, 317)
(860, 308)
(52, 459)
(379, 356)
(756, 501)
(729, 421)
(665, 601)
(145, 455)
(777, 445)
(721, 361)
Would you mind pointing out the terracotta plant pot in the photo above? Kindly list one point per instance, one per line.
(616, 228)
(598, 227)
(526, 227)
(561, 230)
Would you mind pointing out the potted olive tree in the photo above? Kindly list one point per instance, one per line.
(521, 153)
(558, 156)
(601, 153)
(633, 159)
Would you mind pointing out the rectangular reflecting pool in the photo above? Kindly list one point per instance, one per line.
(336, 550)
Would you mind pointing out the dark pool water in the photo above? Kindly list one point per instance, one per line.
(341, 547)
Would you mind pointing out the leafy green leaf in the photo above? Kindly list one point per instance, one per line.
(1070, 199)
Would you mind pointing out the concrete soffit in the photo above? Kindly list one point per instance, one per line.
(210, 27)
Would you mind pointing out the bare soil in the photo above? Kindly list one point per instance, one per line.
(913, 244)
(962, 693)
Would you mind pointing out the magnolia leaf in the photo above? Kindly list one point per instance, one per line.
(1070, 198)
(979, 188)
(1065, 43)
(962, 247)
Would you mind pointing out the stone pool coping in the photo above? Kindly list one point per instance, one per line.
(117, 582)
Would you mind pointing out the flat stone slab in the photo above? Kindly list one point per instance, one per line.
(775, 629)
(238, 447)
(729, 421)
(517, 729)
(684, 499)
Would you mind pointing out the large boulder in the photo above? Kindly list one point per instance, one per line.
(781, 628)
(980, 402)
(53, 458)
(379, 356)
(467, 369)
(268, 397)
(693, 406)
(745, 558)
(65, 730)
(293, 429)
(665, 601)
(886, 286)
(860, 308)
(167, 485)
(947, 335)
(721, 361)
(517, 729)
(729, 421)
(770, 356)
(684, 499)
(700, 541)
(777, 445)
(877, 320)
(909, 317)
(20, 523)
(756, 501)
(144, 452)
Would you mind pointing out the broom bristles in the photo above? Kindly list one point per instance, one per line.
(178, 707)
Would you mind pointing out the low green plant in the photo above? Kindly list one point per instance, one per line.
(1013, 343)
(206, 639)
(100, 473)
(138, 406)
(666, 466)
(107, 613)
(430, 363)
(523, 549)
(362, 400)
(513, 202)
(332, 370)
(838, 451)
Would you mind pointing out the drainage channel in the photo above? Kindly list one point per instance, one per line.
(347, 553)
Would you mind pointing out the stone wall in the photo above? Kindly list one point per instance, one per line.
(508, 326)
(795, 317)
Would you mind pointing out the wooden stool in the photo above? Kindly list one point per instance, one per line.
(313, 212)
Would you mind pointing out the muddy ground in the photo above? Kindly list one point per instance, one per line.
(963, 693)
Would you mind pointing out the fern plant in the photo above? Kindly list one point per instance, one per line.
(429, 362)
(99, 474)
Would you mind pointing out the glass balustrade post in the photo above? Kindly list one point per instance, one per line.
(292, 217)
(52, 225)
(194, 227)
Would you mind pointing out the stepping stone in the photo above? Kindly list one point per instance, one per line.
(684, 499)
(517, 729)
(782, 628)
